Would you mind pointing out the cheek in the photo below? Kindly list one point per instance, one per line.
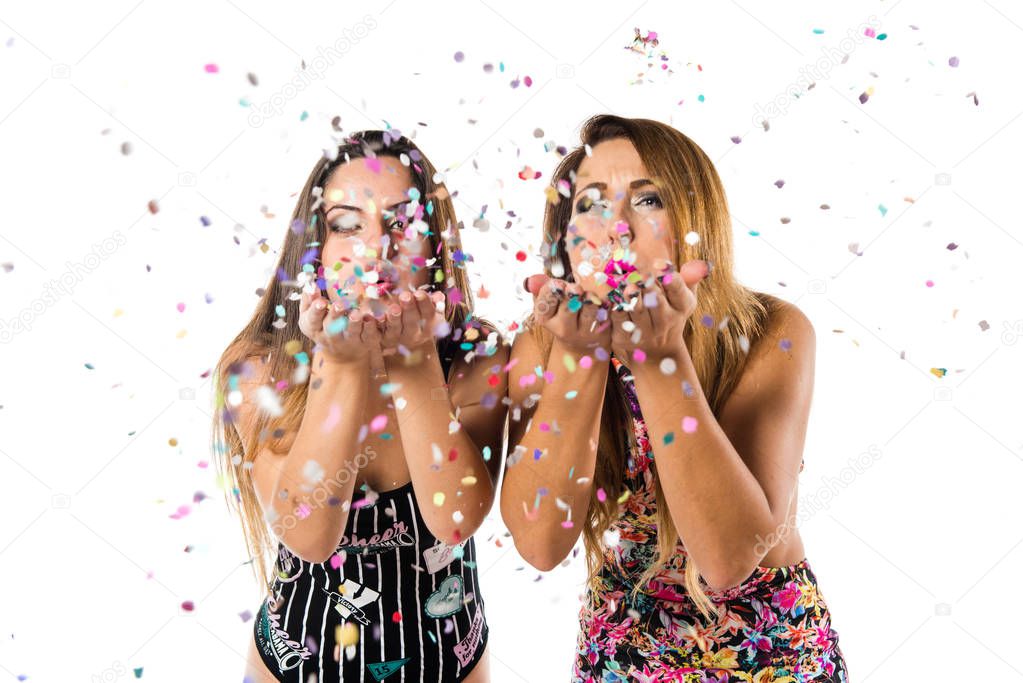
(416, 254)
(340, 251)
(588, 268)
(653, 243)
(591, 226)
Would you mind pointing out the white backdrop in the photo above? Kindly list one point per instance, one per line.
(112, 315)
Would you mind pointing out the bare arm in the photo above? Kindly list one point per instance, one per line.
(453, 483)
(552, 450)
(729, 484)
(294, 489)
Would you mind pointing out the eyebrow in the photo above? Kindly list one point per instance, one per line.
(640, 182)
(392, 207)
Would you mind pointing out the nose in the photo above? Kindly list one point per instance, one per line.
(619, 224)
(619, 230)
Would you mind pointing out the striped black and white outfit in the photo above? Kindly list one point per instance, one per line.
(415, 602)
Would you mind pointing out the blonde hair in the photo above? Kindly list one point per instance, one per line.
(728, 317)
(264, 336)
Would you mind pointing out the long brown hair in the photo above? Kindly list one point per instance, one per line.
(728, 317)
(265, 336)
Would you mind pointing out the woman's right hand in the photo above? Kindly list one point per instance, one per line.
(354, 341)
(581, 326)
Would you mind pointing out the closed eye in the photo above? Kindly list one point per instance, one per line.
(345, 223)
(587, 204)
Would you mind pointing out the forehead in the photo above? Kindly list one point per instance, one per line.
(362, 179)
(612, 161)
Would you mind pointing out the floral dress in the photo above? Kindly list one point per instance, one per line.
(773, 628)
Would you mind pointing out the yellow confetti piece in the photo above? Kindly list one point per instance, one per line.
(347, 634)
(292, 347)
(438, 498)
(468, 480)
(569, 362)
(624, 497)
(172, 441)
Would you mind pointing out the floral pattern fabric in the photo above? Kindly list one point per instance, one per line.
(772, 628)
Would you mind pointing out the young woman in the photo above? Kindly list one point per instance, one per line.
(360, 430)
(686, 508)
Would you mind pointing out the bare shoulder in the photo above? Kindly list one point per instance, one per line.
(788, 331)
(780, 362)
(470, 379)
(255, 385)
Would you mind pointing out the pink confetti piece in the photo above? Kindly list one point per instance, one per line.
(336, 561)
(601, 495)
(689, 424)
(181, 307)
(333, 417)
(373, 164)
(378, 423)
(212, 68)
(639, 355)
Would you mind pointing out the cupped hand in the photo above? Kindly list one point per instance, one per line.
(578, 319)
(651, 319)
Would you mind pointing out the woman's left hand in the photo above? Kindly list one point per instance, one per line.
(410, 320)
(656, 319)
